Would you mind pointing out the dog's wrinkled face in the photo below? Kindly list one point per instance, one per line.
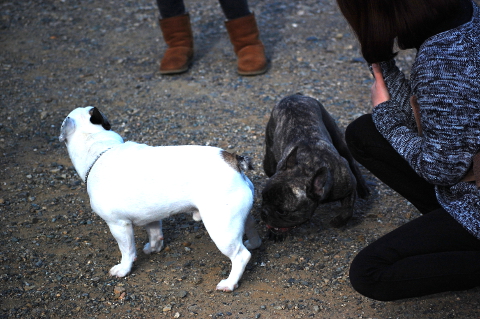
(82, 117)
(291, 195)
(285, 203)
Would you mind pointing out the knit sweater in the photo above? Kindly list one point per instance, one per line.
(445, 78)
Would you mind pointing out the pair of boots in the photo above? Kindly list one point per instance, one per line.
(244, 35)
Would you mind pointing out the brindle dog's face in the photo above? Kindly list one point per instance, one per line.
(285, 202)
(292, 195)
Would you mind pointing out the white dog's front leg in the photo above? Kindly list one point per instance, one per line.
(123, 233)
(155, 238)
(254, 241)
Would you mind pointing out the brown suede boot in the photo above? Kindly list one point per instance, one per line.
(250, 52)
(177, 33)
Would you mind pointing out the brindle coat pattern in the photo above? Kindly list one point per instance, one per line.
(308, 163)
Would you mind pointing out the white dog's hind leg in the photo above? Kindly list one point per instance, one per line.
(254, 240)
(123, 233)
(155, 238)
(226, 230)
(239, 258)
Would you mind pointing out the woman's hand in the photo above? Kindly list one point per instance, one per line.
(379, 90)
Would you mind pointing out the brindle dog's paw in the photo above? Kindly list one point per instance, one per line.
(339, 221)
(277, 234)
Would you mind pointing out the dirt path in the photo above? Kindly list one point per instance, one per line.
(58, 55)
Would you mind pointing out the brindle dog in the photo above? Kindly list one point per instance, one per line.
(308, 163)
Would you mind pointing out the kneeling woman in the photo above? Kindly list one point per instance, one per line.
(421, 140)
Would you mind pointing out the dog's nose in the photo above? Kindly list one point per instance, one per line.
(264, 213)
(277, 234)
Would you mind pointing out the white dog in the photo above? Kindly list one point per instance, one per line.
(135, 184)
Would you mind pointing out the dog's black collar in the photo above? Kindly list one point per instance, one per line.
(91, 166)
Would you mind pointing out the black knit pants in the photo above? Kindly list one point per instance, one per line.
(231, 8)
(430, 254)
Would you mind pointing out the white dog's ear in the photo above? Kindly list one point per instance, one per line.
(68, 127)
(97, 117)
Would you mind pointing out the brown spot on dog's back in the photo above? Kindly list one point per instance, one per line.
(238, 163)
(231, 159)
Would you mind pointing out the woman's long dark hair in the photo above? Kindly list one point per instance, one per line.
(379, 23)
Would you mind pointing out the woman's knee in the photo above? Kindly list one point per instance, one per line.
(360, 279)
(356, 132)
(358, 127)
(365, 272)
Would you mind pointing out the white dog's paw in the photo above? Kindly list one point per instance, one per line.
(225, 286)
(120, 270)
(252, 244)
(148, 249)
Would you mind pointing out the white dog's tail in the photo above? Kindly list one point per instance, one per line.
(237, 162)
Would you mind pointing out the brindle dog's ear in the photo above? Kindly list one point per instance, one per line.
(321, 182)
(97, 117)
(290, 160)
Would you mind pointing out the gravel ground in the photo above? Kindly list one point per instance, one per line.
(56, 253)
